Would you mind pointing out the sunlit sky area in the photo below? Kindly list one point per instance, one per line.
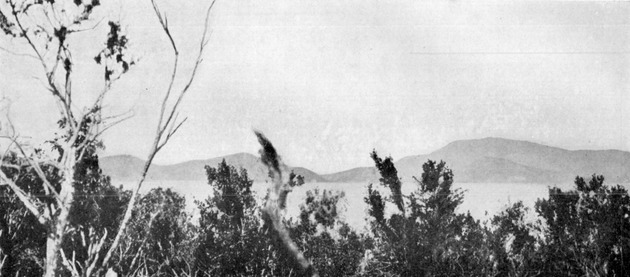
(328, 81)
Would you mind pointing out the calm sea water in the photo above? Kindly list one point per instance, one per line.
(482, 200)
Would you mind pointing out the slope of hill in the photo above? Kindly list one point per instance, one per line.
(488, 160)
(127, 168)
(355, 175)
(122, 167)
(503, 160)
(309, 176)
(195, 170)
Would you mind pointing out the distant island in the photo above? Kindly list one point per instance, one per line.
(487, 160)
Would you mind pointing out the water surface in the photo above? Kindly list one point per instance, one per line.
(482, 200)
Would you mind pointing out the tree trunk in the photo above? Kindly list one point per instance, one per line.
(58, 225)
(53, 244)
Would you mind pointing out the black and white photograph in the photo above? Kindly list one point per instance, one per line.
(203, 138)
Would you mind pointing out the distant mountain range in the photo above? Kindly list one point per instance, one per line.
(488, 160)
(128, 168)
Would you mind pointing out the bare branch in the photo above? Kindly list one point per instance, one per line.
(202, 46)
(94, 251)
(49, 72)
(144, 241)
(28, 38)
(118, 119)
(28, 202)
(48, 187)
(70, 264)
(162, 126)
(16, 53)
(6, 151)
(88, 28)
(171, 133)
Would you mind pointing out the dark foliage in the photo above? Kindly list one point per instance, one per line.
(230, 242)
(114, 56)
(21, 236)
(237, 239)
(427, 237)
(513, 245)
(95, 212)
(160, 237)
(336, 250)
(588, 230)
(389, 178)
(580, 232)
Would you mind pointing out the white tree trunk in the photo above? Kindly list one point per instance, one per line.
(53, 244)
(59, 224)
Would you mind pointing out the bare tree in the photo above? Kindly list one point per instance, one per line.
(45, 26)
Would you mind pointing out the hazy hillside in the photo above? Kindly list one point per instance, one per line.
(503, 160)
(122, 167)
(309, 175)
(489, 160)
(127, 168)
(359, 174)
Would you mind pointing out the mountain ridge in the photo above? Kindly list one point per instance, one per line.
(486, 160)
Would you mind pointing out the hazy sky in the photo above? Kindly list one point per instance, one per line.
(328, 81)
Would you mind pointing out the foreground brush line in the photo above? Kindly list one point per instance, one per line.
(582, 232)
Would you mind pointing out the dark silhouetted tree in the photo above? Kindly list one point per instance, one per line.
(425, 236)
(231, 240)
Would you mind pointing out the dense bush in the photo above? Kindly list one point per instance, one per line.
(580, 232)
(335, 249)
(587, 230)
(160, 237)
(230, 237)
(513, 243)
(235, 238)
(21, 236)
(424, 236)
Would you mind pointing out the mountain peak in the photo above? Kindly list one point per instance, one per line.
(494, 142)
(243, 155)
(495, 159)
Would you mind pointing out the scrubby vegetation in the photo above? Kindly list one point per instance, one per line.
(61, 216)
(581, 232)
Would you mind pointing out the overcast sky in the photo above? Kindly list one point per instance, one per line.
(328, 81)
